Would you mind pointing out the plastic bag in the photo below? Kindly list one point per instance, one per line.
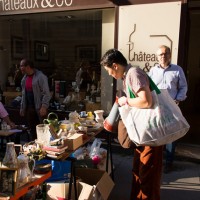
(95, 148)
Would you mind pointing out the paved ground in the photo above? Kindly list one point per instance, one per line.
(181, 184)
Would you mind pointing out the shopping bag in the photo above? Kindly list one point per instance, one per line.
(161, 124)
(123, 136)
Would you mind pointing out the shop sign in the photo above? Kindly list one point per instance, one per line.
(16, 5)
(143, 28)
(9, 7)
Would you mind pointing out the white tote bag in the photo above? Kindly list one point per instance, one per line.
(159, 125)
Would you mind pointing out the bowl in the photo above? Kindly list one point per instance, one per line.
(42, 168)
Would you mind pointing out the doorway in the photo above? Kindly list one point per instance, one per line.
(191, 105)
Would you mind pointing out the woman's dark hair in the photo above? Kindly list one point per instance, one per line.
(113, 56)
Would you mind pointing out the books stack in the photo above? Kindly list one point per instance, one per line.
(55, 151)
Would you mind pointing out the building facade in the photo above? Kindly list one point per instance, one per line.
(59, 34)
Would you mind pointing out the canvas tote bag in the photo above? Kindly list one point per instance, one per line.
(159, 125)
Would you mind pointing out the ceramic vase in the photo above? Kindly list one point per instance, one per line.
(99, 116)
(10, 158)
(24, 172)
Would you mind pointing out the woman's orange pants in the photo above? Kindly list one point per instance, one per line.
(147, 172)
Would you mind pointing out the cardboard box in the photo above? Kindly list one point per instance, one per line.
(85, 191)
(59, 190)
(94, 182)
(75, 141)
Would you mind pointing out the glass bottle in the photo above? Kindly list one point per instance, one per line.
(10, 158)
(44, 191)
(39, 195)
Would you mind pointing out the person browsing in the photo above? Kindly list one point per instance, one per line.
(171, 77)
(5, 116)
(35, 95)
(147, 160)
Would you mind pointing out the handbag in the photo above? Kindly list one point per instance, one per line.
(123, 137)
(161, 124)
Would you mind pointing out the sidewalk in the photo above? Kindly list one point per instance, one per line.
(181, 184)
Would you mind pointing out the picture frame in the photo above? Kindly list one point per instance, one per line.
(85, 52)
(8, 183)
(17, 47)
(41, 50)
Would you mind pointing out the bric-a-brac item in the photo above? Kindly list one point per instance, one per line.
(111, 122)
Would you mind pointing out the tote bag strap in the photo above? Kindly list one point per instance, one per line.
(152, 87)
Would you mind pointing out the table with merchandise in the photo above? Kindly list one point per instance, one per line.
(62, 145)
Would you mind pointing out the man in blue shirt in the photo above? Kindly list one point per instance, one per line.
(171, 77)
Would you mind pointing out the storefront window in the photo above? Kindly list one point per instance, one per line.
(59, 44)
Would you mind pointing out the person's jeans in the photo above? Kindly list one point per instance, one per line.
(170, 152)
(33, 119)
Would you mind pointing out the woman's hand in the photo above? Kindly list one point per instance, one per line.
(9, 122)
